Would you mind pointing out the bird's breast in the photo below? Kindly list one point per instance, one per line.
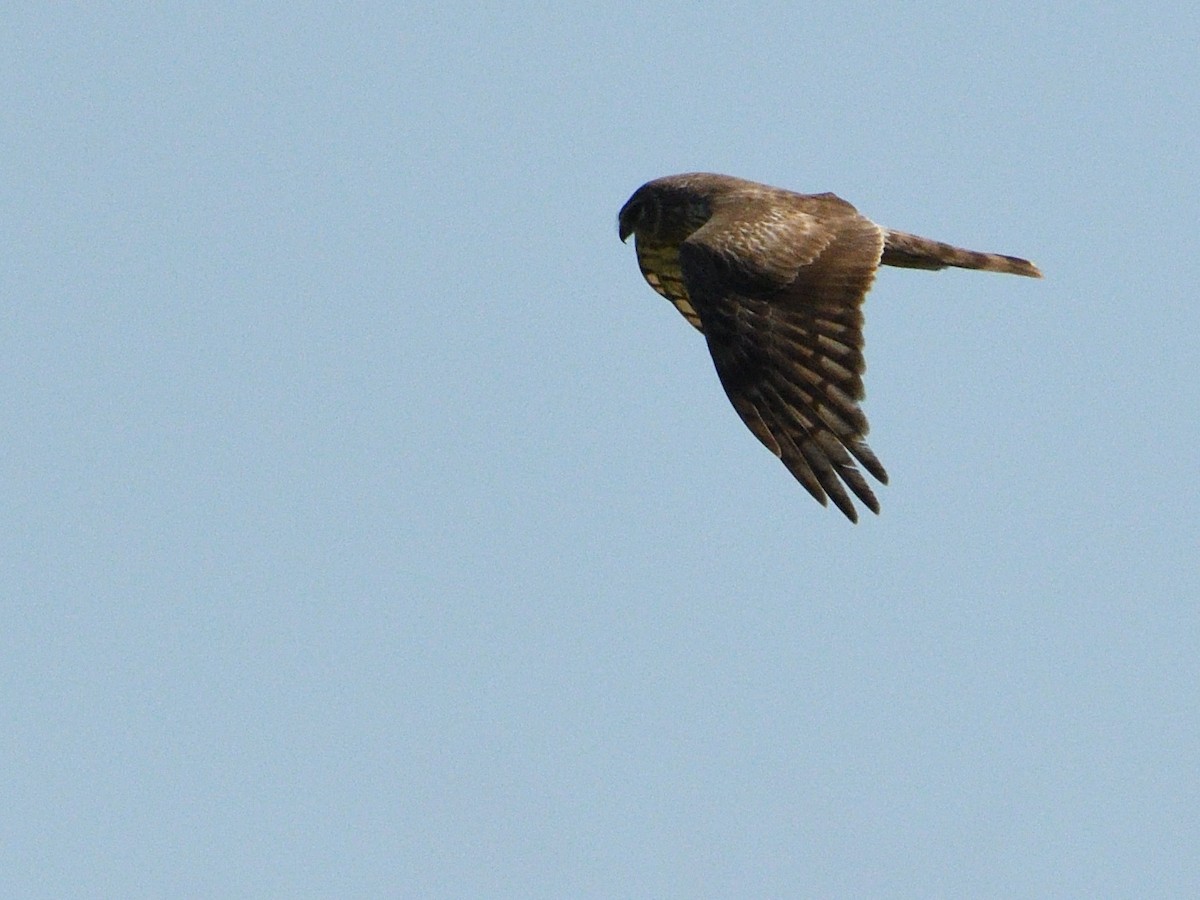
(661, 269)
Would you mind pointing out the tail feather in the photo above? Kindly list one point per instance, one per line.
(912, 252)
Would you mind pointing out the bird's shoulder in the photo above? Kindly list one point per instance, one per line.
(766, 233)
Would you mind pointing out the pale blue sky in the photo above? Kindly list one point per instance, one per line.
(370, 528)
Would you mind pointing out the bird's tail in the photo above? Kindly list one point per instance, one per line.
(912, 252)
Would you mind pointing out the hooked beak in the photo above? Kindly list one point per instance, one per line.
(625, 220)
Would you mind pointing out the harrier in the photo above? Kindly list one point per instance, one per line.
(775, 281)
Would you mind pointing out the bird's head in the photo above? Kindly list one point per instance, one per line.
(666, 209)
(638, 208)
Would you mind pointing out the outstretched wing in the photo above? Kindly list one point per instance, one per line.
(778, 285)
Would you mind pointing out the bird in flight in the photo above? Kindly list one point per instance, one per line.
(775, 282)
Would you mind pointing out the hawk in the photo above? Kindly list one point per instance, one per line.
(775, 282)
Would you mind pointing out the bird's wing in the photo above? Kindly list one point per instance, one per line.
(779, 288)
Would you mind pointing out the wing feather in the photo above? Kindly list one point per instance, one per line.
(778, 286)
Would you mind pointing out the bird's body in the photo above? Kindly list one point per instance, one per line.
(775, 281)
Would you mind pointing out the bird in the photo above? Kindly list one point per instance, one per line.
(775, 281)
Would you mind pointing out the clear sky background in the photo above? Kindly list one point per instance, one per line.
(370, 528)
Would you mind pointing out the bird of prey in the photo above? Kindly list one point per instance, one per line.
(775, 281)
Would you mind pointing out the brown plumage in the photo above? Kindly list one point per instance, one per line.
(775, 281)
